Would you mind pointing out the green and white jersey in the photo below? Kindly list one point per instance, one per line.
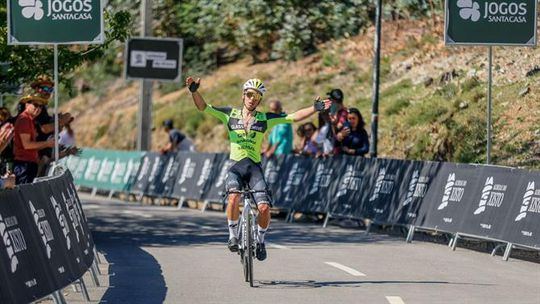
(246, 144)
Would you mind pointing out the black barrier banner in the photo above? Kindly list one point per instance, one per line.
(168, 178)
(275, 168)
(496, 191)
(216, 185)
(62, 196)
(451, 196)
(385, 193)
(522, 224)
(24, 269)
(195, 171)
(290, 185)
(59, 246)
(315, 192)
(141, 183)
(418, 178)
(352, 188)
(155, 183)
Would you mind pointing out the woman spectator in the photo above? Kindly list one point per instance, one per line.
(308, 134)
(6, 140)
(353, 137)
(326, 136)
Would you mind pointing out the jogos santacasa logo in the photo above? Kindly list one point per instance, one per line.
(494, 11)
(56, 9)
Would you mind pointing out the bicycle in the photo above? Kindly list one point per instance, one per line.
(247, 232)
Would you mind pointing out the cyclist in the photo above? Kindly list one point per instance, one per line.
(246, 128)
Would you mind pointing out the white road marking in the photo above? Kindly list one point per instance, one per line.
(277, 246)
(137, 213)
(89, 207)
(349, 270)
(394, 300)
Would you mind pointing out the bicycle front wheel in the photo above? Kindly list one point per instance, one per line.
(250, 247)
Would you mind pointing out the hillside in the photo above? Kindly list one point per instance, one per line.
(432, 103)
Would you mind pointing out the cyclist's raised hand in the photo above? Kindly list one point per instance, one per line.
(193, 85)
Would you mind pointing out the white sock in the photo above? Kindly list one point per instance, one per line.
(233, 229)
(262, 232)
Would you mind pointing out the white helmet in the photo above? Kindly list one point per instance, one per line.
(255, 84)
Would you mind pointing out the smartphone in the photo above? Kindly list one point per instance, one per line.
(347, 124)
(333, 108)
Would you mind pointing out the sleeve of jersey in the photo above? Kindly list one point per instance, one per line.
(276, 119)
(220, 113)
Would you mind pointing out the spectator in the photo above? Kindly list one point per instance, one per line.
(353, 137)
(6, 140)
(7, 181)
(338, 112)
(308, 134)
(25, 143)
(177, 140)
(280, 140)
(67, 136)
(326, 136)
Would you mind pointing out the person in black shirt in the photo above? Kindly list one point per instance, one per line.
(353, 137)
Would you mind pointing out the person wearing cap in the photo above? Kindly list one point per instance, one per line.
(177, 140)
(25, 143)
(246, 127)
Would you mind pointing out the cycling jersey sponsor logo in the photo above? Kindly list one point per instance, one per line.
(530, 203)
(43, 227)
(492, 195)
(493, 12)
(322, 178)
(453, 191)
(351, 181)
(13, 239)
(384, 185)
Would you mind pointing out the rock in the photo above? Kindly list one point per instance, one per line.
(427, 81)
(524, 91)
(463, 105)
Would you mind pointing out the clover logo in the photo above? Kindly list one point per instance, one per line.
(469, 10)
(32, 8)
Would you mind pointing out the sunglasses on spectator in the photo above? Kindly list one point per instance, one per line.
(46, 89)
(253, 95)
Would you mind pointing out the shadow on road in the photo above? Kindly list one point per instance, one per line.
(136, 276)
(309, 284)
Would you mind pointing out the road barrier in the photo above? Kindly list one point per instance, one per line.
(45, 242)
(490, 202)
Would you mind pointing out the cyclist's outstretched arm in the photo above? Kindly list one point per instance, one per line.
(307, 112)
(193, 87)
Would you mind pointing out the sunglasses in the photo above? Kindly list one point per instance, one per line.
(46, 89)
(253, 95)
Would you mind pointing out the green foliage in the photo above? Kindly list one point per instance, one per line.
(397, 106)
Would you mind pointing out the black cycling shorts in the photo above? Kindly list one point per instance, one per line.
(247, 172)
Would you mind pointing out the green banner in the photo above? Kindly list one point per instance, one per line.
(55, 21)
(104, 169)
(490, 22)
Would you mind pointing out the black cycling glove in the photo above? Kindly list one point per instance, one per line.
(318, 105)
(193, 87)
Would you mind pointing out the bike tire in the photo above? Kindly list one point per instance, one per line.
(249, 234)
(243, 253)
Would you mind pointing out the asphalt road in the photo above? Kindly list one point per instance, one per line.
(163, 255)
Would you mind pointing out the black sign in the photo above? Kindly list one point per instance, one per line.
(351, 191)
(45, 242)
(155, 178)
(451, 196)
(193, 175)
(216, 186)
(275, 168)
(315, 193)
(154, 58)
(523, 218)
(168, 178)
(418, 179)
(140, 184)
(290, 185)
